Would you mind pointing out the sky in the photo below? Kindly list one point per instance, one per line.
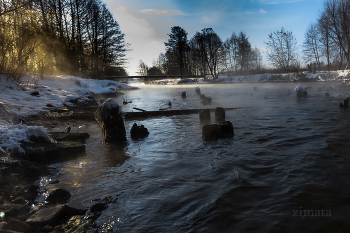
(146, 23)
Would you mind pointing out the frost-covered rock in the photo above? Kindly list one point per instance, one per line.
(11, 136)
(85, 100)
(109, 117)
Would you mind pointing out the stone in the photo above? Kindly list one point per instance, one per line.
(35, 93)
(18, 226)
(138, 132)
(219, 114)
(46, 153)
(19, 200)
(98, 207)
(86, 101)
(48, 215)
(59, 196)
(210, 132)
(64, 136)
(206, 100)
(110, 119)
(183, 94)
(226, 129)
(78, 224)
(204, 115)
(197, 90)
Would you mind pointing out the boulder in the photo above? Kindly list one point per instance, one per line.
(35, 93)
(50, 215)
(109, 117)
(206, 100)
(59, 196)
(99, 207)
(84, 101)
(17, 226)
(219, 114)
(138, 132)
(204, 115)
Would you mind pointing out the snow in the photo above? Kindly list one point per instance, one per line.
(110, 103)
(53, 90)
(298, 88)
(11, 136)
(16, 102)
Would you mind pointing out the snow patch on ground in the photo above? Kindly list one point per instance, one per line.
(16, 102)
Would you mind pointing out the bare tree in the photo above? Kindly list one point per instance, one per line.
(281, 46)
(312, 45)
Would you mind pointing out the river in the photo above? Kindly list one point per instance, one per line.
(288, 160)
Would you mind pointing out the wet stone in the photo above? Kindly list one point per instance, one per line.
(17, 226)
(59, 196)
(138, 132)
(48, 215)
(98, 207)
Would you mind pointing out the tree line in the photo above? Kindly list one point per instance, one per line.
(205, 53)
(326, 45)
(59, 36)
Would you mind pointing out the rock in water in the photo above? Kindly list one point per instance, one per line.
(183, 94)
(219, 114)
(138, 132)
(304, 93)
(197, 90)
(299, 91)
(109, 117)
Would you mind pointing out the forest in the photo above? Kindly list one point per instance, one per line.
(81, 37)
(77, 37)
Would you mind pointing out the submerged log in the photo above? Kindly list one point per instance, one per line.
(110, 119)
(133, 115)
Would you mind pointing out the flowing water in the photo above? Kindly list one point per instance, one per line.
(289, 160)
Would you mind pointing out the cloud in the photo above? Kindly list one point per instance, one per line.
(262, 11)
(160, 12)
(146, 42)
(270, 2)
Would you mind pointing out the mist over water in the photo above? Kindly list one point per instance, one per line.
(287, 154)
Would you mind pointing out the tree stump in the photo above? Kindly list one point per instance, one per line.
(226, 129)
(197, 90)
(304, 93)
(219, 114)
(211, 132)
(183, 94)
(204, 115)
(110, 119)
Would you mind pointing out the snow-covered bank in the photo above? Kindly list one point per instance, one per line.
(340, 75)
(17, 101)
(53, 90)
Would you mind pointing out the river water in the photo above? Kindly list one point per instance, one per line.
(289, 159)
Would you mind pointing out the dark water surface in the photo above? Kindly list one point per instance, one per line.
(288, 157)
